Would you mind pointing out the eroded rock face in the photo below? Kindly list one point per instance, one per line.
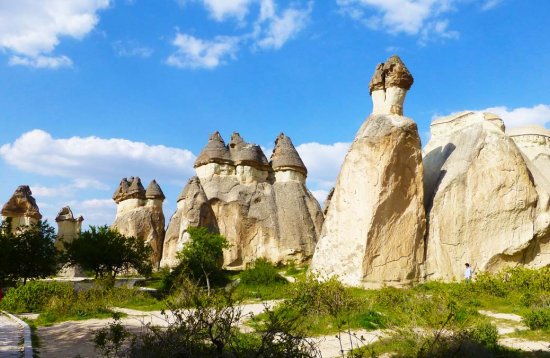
(193, 210)
(263, 209)
(481, 197)
(375, 222)
(21, 208)
(139, 214)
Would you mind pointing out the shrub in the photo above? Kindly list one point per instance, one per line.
(485, 334)
(538, 318)
(261, 272)
(35, 295)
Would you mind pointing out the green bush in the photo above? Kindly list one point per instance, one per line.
(261, 272)
(485, 334)
(538, 318)
(35, 296)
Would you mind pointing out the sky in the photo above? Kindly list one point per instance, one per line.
(92, 91)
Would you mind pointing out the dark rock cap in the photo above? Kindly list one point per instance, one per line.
(136, 189)
(122, 190)
(22, 203)
(243, 153)
(66, 214)
(285, 156)
(215, 151)
(192, 187)
(392, 73)
(154, 191)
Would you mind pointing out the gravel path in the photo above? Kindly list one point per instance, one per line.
(11, 335)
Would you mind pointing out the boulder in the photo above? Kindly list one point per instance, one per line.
(375, 222)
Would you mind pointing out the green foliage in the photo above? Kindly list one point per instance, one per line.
(27, 253)
(35, 295)
(107, 252)
(485, 334)
(202, 256)
(210, 329)
(261, 272)
(538, 318)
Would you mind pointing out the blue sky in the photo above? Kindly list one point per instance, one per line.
(95, 90)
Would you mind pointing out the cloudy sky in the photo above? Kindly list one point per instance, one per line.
(95, 90)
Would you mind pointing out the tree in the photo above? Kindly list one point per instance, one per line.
(203, 254)
(29, 252)
(108, 252)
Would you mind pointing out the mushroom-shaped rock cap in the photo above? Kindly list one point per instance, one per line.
(136, 190)
(192, 188)
(285, 156)
(392, 73)
(66, 214)
(215, 151)
(154, 191)
(250, 154)
(122, 190)
(22, 203)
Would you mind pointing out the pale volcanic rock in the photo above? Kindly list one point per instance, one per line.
(21, 208)
(193, 210)
(375, 222)
(139, 214)
(68, 228)
(481, 199)
(534, 142)
(263, 209)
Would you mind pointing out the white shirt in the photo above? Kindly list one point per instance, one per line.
(468, 273)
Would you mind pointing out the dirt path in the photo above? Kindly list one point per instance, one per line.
(509, 323)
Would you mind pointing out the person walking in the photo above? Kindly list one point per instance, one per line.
(468, 273)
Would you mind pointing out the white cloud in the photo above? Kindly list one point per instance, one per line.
(411, 17)
(194, 53)
(490, 4)
(68, 190)
(131, 49)
(223, 9)
(517, 117)
(320, 195)
(323, 162)
(40, 61)
(271, 29)
(32, 29)
(93, 160)
(281, 28)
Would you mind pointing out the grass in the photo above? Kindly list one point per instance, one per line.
(531, 335)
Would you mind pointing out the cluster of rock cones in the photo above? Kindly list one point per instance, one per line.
(397, 214)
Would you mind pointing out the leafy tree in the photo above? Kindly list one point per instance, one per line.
(27, 253)
(203, 254)
(108, 253)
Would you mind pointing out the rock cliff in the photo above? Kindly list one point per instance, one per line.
(263, 208)
(375, 222)
(139, 213)
(483, 203)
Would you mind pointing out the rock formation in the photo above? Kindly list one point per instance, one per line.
(263, 209)
(68, 228)
(534, 143)
(139, 213)
(21, 208)
(193, 210)
(375, 223)
(484, 206)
